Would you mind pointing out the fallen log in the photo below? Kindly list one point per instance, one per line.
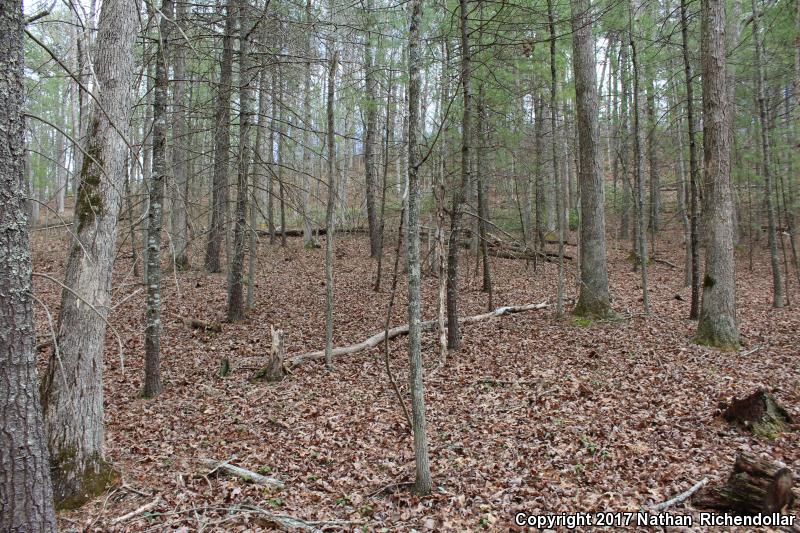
(759, 413)
(756, 485)
(397, 331)
(247, 475)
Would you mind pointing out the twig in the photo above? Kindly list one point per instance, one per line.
(136, 512)
(680, 497)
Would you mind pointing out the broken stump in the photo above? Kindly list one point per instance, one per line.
(759, 413)
(274, 371)
(756, 485)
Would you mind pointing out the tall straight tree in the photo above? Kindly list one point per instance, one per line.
(593, 300)
(235, 293)
(369, 135)
(73, 386)
(717, 326)
(423, 482)
(26, 495)
(766, 158)
(329, 211)
(180, 153)
(155, 216)
(694, 171)
(454, 246)
(222, 143)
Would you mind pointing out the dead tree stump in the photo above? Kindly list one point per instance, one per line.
(756, 485)
(275, 370)
(759, 413)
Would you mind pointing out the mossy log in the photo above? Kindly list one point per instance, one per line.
(756, 485)
(759, 413)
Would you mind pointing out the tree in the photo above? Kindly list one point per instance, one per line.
(454, 246)
(26, 494)
(423, 483)
(329, 211)
(235, 295)
(717, 326)
(222, 143)
(369, 135)
(766, 158)
(180, 154)
(74, 414)
(155, 215)
(593, 300)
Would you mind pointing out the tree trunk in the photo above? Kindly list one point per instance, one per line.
(26, 494)
(453, 333)
(766, 160)
(369, 135)
(222, 142)
(423, 482)
(638, 151)
(329, 212)
(180, 139)
(74, 416)
(236, 304)
(559, 193)
(694, 205)
(152, 370)
(308, 234)
(622, 143)
(593, 300)
(718, 326)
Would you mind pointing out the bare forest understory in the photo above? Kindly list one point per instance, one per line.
(533, 414)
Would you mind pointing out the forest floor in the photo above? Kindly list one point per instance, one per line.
(533, 414)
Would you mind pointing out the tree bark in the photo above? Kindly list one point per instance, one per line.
(152, 339)
(236, 302)
(694, 205)
(593, 300)
(766, 160)
(718, 325)
(222, 142)
(329, 212)
(180, 139)
(73, 387)
(369, 135)
(26, 494)
(423, 483)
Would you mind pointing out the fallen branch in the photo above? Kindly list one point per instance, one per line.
(680, 497)
(291, 523)
(136, 512)
(247, 475)
(397, 331)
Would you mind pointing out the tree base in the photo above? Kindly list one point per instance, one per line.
(73, 486)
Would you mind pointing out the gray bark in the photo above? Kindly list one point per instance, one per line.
(423, 482)
(73, 386)
(766, 160)
(236, 304)
(593, 300)
(222, 142)
(26, 497)
(718, 325)
(329, 212)
(180, 154)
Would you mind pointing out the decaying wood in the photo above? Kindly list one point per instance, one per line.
(756, 485)
(247, 475)
(759, 413)
(398, 331)
(680, 497)
(274, 371)
(201, 324)
(136, 512)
